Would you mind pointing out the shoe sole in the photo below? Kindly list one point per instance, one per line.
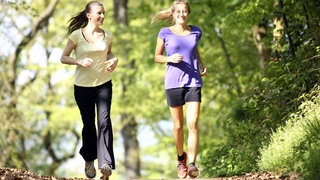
(104, 178)
(183, 173)
(193, 173)
(90, 177)
(106, 173)
(185, 170)
(183, 177)
(92, 172)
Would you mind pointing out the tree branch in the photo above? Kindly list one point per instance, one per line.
(41, 22)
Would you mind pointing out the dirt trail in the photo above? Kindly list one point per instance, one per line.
(18, 174)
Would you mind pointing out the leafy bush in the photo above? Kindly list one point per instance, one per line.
(281, 104)
(234, 157)
(295, 146)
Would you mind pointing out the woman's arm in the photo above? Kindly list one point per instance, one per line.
(203, 69)
(158, 55)
(112, 60)
(66, 59)
(160, 58)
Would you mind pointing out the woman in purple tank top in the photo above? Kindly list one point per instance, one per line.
(183, 79)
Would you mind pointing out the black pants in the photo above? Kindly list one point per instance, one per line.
(96, 144)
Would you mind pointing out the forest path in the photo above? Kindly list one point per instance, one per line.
(18, 174)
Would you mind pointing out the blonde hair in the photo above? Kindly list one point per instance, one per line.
(166, 15)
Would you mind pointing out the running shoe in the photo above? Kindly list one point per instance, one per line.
(182, 169)
(89, 169)
(106, 171)
(193, 171)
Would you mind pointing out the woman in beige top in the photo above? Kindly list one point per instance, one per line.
(92, 85)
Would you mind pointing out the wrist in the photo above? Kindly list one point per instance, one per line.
(78, 62)
(167, 59)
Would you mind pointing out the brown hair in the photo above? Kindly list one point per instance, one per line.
(166, 15)
(80, 20)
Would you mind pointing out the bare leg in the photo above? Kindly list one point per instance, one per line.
(177, 117)
(192, 116)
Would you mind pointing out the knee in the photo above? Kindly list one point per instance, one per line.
(104, 124)
(178, 127)
(193, 126)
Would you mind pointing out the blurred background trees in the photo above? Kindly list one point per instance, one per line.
(260, 94)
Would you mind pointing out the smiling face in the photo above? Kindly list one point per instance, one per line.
(181, 13)
(96, 14)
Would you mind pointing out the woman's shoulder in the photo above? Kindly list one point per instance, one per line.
(108, 36)
(195, 28)
(107, 33)
(165, 29)
(164, 32)
(75, 35)
(77, 31)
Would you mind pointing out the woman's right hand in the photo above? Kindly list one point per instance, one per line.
(111, 64)
(175, 58)
(86, 62)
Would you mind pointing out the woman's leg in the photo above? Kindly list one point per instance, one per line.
(85, 101)
(192, 116)
(105, 134)
(177, 117)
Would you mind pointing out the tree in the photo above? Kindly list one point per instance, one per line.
(244, 100)
(28, 101)
(129, 129)
(269, 98)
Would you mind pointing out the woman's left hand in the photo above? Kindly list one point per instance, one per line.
(203, 70)
(111, 64)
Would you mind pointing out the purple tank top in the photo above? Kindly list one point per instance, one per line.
(186, 73)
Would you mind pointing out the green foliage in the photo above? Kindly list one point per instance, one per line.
(36, 111)
(295, 146)
(267, 97)
(245, 112)
(236, 157)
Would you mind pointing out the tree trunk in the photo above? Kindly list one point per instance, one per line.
(129, 129)
(259, 32)
(120, 11)
(281, 24)
(228, 59)
(278, 28)
(131, 146)
(10, 83)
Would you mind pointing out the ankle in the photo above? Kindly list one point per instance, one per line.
(182, 157)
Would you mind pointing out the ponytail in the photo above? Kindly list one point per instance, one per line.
(167, 15)
(80, 20)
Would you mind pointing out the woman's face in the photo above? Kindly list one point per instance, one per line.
(181, 13)
(96, 14)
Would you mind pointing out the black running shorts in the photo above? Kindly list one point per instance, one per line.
(179, 96)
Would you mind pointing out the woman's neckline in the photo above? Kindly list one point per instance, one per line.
(171, 30)
(84, 37)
